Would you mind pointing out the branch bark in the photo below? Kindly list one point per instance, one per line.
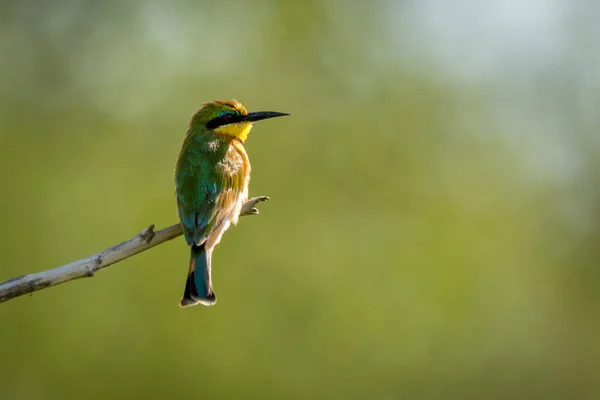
(87, 267)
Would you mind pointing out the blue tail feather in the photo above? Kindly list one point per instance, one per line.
(198, 286)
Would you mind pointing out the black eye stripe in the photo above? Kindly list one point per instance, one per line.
(223, 119)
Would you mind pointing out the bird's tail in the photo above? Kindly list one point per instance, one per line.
(198, 287)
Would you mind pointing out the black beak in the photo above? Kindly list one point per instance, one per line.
(257, 116)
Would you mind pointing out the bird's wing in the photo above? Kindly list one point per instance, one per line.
(205, 200)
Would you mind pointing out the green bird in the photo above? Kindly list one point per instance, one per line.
(211, 181)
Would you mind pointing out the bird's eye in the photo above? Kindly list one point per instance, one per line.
(225, 116)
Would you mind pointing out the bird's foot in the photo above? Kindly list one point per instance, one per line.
(249, 207)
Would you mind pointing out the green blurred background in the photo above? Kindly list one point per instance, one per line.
(434, 218)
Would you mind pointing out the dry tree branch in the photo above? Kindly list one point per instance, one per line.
(87, 267)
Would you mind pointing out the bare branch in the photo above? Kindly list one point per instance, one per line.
(87, 267)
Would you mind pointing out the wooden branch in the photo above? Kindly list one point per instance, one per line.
(87, 267)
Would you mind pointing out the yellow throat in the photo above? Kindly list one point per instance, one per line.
(238, 130)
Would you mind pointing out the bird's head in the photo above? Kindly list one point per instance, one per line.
(230, 118)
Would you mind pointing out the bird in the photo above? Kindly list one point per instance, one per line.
(212, 174)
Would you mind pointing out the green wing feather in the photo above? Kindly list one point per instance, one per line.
(209, 182)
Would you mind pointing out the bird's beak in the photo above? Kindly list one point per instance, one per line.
(257, 116)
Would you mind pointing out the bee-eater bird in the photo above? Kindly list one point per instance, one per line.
(211, 180)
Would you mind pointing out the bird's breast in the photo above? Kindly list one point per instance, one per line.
(235, 162)
(242, 158)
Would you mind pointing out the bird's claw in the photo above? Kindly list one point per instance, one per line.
(249, 207)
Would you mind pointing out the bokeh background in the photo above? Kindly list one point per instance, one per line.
(435, 199)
